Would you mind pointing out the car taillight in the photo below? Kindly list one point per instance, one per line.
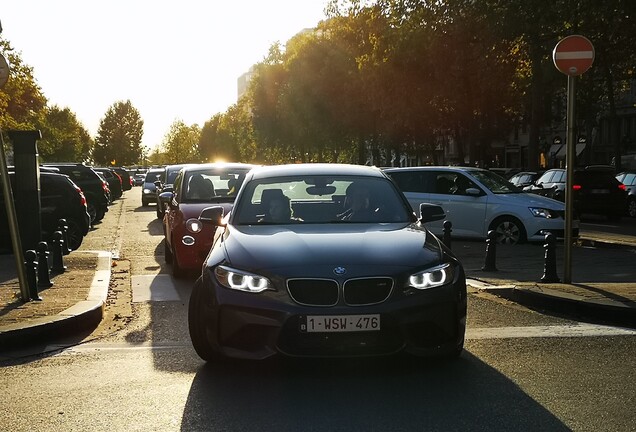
(622, 187)
(576, 187)
(131, 180)
(82, 197)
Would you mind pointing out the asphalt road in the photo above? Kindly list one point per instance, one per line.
(521, 370)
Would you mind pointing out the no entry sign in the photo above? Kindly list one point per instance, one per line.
(573, 55)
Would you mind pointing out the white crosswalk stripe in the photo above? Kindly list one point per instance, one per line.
(159, 287)
(574, 330)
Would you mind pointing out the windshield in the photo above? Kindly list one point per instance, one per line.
(153, 176)
(212, 184)
(495, 183)
(320, 199)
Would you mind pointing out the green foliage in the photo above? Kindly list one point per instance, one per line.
(21, 99)
(64, 139)
(180, 145)
(118, 140)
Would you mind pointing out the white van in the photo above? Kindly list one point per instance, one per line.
(477, 201)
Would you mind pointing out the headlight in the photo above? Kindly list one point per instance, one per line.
(542, 212)
(147, 191)
(433, 277)
(240, 280)
(194, 225)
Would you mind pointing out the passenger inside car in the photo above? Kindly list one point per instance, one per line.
(461, 184)
(359, 201)
(277, 207)
(200, 188)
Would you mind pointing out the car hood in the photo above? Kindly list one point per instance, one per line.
(529, 200)
(318, 249)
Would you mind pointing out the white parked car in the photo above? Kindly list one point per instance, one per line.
(477, 201)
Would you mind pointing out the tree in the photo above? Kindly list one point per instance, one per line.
(180, 144)
(118, 140)
(64, 138)
(21, 99)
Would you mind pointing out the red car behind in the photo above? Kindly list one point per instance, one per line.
(187, 240)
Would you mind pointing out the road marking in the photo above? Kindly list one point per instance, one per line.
(562, 331)
(574, 330)
(159, 287)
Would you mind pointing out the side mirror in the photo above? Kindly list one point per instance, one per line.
(473, 192)
(165, 198)
(212, 215)
(431, 212)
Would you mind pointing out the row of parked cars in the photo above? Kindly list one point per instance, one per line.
(474, 200)
(76, 192)
(595, 189)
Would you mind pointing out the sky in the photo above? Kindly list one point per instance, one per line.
(174, 60)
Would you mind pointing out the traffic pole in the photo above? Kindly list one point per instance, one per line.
(573, 56)
(570, 156)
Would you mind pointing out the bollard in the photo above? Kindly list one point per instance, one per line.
(549, 265)
(448, 228)
(491, 252)
(31, 271)
(62, 225)
(44, 278)
(58, 253)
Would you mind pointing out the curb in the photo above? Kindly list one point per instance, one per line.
(82, 315)
(567, 304)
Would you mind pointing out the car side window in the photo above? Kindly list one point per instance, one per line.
(410, 181)
(559, 177)
(546, 178)
(444, 183)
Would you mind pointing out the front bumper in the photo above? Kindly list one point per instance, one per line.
(537, 230)
(257, 326)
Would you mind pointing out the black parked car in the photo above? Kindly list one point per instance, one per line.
(595, 190)
(115, 183)
(346, 270)
(628, 178)
(148, 188)
(166, 182)
(126, 179)
(60, 198)
(95, 189)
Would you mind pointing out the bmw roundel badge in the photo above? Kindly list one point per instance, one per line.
(339, 270)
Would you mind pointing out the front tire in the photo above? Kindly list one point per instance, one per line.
(74, 235)
(508, 230)
(177, 271)
(198, 322)
(167, 252)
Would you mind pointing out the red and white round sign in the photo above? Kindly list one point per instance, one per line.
(573, 55)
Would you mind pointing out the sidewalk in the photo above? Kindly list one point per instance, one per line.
(75, 301)
(603, 288)
(603, 275)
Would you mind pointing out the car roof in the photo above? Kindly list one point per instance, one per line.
(314, 169)
(436, 167)
(217, 165)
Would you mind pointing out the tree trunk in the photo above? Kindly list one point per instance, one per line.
(535, 108)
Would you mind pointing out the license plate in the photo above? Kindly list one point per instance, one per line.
(339, 323)
(600, 191)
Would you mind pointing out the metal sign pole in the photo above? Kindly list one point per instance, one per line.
(569, 181)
